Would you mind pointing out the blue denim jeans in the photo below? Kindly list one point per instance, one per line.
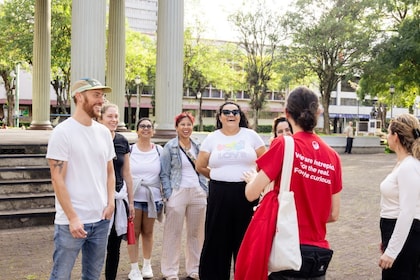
(67, 249)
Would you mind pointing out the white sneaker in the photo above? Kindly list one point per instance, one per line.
(135, 274)
(147, 271)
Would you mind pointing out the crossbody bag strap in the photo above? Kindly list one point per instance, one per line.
(286, 173)
(189, 157)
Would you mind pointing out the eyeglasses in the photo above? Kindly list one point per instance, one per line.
(144, 126)
(228, 112)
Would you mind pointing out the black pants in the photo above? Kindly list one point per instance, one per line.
(113, 254)
(406, 265)
(349, 145)
(227, 218)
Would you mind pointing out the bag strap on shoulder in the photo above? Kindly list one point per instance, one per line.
(286, 173)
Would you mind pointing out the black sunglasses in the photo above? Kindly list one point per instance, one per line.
(228, 112)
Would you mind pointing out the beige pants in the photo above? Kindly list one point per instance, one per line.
(187, 204)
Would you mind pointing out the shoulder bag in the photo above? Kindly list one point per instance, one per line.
(285, 252)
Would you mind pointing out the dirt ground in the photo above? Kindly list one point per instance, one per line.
(27, 253)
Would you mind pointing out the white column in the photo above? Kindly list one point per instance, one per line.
(88, 40)
(41, 66)
(169, 65)
(115, 74)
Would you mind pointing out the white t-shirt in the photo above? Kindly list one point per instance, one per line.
(87, 151)
(146, 166)
(189, 178)
(400, 199)
(231, 156)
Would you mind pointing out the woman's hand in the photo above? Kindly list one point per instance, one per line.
(386, 262)
(131, 211)
(249, 175)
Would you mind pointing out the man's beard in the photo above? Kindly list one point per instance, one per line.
(90, 110)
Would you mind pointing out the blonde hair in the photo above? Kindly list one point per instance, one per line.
(407, 128)
(106, 106)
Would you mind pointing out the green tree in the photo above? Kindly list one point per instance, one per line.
(16, 44)
(331, 39)
(395, 60)
(260, 36)
(60, 52)
(16, 36)
(140, 61)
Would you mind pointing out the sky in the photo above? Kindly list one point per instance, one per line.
(214, 14)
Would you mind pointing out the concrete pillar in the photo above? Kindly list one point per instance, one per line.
(41, 66)
(115, 74)
(169, 65)
(88, 40)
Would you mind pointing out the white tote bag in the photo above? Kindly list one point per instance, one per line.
(285, 251)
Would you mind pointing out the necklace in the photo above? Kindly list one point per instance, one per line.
(185, 147)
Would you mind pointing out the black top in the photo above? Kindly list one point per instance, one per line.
(121, 148)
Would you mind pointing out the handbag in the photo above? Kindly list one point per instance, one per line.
(285, 251)
(131, 238)
(256, 246)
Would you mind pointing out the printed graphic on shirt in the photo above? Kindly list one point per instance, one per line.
(233, 150)
(313, 169)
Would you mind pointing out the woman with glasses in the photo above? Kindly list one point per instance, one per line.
(146, 171)
(185, 192)
(224, 156)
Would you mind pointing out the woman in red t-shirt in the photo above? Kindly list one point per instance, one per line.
(316, 180)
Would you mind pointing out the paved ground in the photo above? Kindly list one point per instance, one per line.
(26, 253)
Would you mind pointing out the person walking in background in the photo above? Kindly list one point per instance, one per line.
(316, 181)
(146, 170)
(80, 155)
(185, 192)
(349, 132)
(400, 203)
(224, 155)
(124, 205)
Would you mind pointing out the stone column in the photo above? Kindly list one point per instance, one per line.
(88, 40)
(169, 65)
(41, 66)
(115, 74)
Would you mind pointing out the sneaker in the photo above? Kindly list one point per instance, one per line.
(147, 271)
(135, 274)
(193, 276)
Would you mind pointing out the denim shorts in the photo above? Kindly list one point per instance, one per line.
(143, 206)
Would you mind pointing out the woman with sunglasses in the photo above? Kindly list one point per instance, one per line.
(146, 171)
(224, 156)
(185, 192)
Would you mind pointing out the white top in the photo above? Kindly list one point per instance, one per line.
(231, 156)
(400, 199)
(87, 150)
(146, 166)
(189, 177)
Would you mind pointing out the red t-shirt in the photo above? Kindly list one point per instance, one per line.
(316, 176)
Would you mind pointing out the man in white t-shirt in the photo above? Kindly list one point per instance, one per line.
(80, 153)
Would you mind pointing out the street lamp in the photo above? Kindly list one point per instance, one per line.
(392, 91)
(137, 80)
(200, 119)
(15, 87)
